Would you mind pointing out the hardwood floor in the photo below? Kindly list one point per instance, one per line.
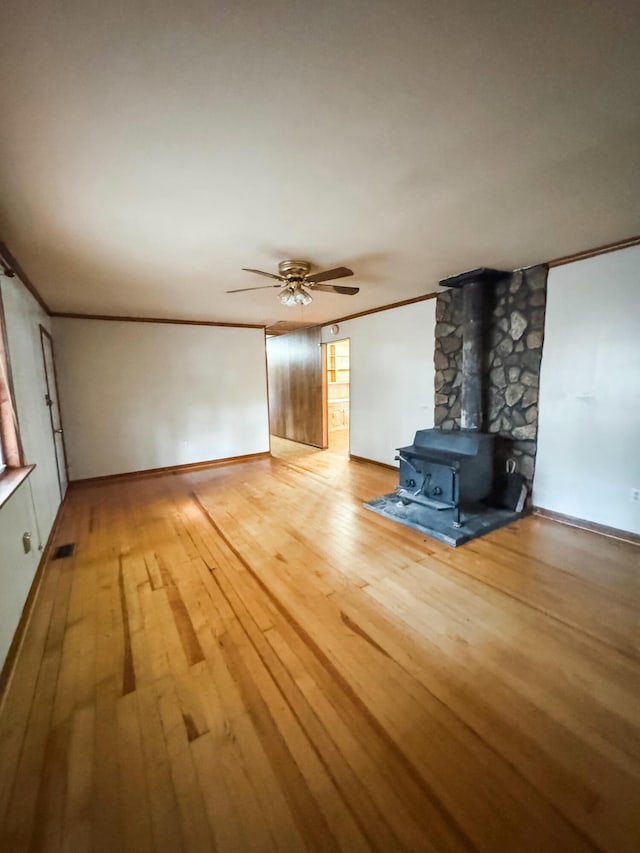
(339, 442)
(243, 658)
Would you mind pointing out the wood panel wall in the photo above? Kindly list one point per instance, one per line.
(297, 408)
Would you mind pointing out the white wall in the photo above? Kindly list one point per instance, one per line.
(23, 317)
(148, 395)
(17, 569)
(32, 508)
(392, 377)
(589, 426)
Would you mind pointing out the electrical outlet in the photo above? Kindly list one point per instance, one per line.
(635, 494)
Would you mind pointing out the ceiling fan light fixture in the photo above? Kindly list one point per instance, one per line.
(297, 282)
(294, 295)
(301, 297)
(287, 297)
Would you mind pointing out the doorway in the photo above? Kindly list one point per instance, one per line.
(338, 395)
(52, 401)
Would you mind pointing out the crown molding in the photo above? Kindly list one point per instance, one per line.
(12, 267)
(167, 320)
(592, 253)
(377, 310)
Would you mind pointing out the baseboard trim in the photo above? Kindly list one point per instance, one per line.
(603, 529)
(354, 458)
(27, 610)
(170, 469)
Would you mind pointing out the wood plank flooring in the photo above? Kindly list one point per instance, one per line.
(243, 658)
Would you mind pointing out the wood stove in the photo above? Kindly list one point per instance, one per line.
(446, 469)
(445, 475)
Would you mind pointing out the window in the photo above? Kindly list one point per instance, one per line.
(9, 443)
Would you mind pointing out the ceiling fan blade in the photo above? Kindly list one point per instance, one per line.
(334, 288)
(328, 275)
(262, 287)
(261, 272)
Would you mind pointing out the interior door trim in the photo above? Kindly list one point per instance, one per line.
(44, 333)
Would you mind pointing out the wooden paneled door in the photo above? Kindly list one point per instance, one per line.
(53, 403)
(297, 387)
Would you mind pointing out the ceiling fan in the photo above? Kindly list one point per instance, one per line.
(297, 281)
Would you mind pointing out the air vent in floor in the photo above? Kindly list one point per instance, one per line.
(64, 551)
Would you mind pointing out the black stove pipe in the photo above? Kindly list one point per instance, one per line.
(473, 297)
(471, 414)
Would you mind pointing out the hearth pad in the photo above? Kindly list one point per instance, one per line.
(439, 523)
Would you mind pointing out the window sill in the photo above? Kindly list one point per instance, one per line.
(11, 480)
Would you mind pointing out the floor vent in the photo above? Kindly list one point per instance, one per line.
(64, 551)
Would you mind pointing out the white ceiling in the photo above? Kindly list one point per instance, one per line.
(148, 151)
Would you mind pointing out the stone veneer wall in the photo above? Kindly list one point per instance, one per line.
(513, 337)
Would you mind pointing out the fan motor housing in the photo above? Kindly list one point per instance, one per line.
(294, 269)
